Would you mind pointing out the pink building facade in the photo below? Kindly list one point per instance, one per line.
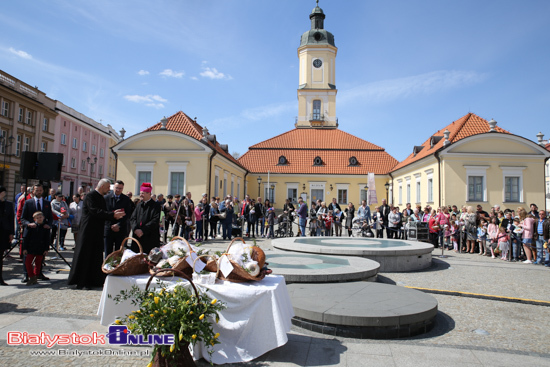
(86, 147)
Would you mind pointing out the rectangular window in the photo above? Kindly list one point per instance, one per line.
(84, 146)
(316, 110)
(73, 162)
(93, 149)
(232, 187)
(101, 152)
(217, 186)
(45, 125)
(63, 139)
(224, 187)
(20, 118)
(144, 176)
(511, 189)
(26, 144)
(18, 146)
(5, 108)
(408, 193)
(3, 146)
(83, 165)
(364, 195)
(100, 170)
(400, 201)
(418, 192)
(238, 189)
(475, 188)
(29, 117)
(75, 143)
(342, 196)
(44, 147)
(292, 194)
(430, 190)
(176, 183)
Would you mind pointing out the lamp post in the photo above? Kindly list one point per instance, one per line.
(367, 190)
(387, 186)
(259, 179)
(5, 144)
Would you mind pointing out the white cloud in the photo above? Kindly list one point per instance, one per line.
(149, 100)
(20, 53)
(171, 73)
(269, 111)
(428, 83)
(194, 78)
(143, 72)
(213, 73)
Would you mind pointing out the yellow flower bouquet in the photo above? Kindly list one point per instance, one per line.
(186, 314)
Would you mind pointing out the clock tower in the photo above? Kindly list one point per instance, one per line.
(317, 81)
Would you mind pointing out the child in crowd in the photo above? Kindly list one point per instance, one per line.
(271, 221)
(492, 232)
(503, 242)
(35, 246)
(313, 226)
(454, 232)
(328, 223)
(515, 238)
(320, 225)
(337, 217)
(482, 236)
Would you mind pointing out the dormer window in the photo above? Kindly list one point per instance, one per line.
(434, 140)
(353, 161)
(317, 161)
(282, 161)
(417, 149)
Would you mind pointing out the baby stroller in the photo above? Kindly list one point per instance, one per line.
(284, 225)
(360, 228)
(236, 228)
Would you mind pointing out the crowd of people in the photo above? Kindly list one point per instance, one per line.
(106, 215)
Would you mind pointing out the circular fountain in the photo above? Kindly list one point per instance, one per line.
(393, 255)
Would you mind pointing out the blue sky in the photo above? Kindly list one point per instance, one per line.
(404, 68)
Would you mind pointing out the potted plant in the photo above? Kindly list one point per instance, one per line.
(186, 314)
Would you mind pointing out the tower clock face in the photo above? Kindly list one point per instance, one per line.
(317, 63)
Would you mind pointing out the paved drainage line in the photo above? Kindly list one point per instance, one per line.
(483, 296)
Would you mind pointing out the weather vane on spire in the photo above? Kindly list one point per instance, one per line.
(317, 2)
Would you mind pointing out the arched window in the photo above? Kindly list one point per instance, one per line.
(316, 110)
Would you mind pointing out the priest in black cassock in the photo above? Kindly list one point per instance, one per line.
(88, 256)
(145, 220)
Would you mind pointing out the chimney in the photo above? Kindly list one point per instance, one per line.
(205, 132)
(163, 123)
(540, 137)
(492, 125)
(446, 134)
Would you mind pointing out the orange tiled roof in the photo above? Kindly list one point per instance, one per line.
(468, 125)
(300, 147)
(182, 123)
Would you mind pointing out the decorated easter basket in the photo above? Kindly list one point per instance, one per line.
(182, 264)
(239, 275)
(133, 266)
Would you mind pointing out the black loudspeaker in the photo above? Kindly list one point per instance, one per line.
(49, 166)
(28, 165)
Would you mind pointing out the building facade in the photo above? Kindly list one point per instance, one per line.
(86, 147)
(176, 156)
(27, 123)
(317, 160)
(472, 162)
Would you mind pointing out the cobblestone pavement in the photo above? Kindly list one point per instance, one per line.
(468, 331)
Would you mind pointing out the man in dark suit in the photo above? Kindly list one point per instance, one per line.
(145, 221)
(385, 210)
(117, 230)
(36, 204)
(88, 255)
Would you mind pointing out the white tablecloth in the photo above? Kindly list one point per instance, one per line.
(256, 320)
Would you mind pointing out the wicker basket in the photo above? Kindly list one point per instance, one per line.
(182, 264)
(239, 275)
(133, 266)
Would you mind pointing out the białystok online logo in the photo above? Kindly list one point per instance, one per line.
(117, 335)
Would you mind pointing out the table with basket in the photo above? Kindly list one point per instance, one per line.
(258, 314)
